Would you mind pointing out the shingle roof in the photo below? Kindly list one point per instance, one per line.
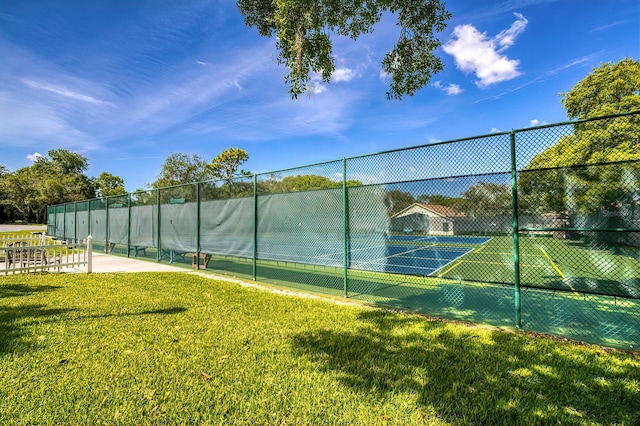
(442, 210)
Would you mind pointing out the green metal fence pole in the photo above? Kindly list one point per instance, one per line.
(106, 233)
(75, 220)
(197, 260)
(64, 223)
(129, 228)
(345, 230)
(89, 218)
(255, 227)
(516, 239)
(158, 256)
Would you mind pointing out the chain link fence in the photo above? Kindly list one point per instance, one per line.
(537, 228)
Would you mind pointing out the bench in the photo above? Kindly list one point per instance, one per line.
(200, 263)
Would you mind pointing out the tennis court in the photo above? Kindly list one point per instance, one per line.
(428, 229)
(407, 255)
(545, 262)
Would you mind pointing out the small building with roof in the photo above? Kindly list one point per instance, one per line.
(422, 218)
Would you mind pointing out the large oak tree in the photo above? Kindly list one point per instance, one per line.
(596, 169)
(304, 29)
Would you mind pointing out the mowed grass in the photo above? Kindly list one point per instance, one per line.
(180, 348)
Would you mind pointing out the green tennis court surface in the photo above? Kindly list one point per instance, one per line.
(552, 263)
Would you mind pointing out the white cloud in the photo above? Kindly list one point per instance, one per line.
(343, 74)
(611, 25)
(450, 89)
(536, 122)
(495, 130)
(475, 53)
(34, 157)
(62, 91)
(28, 122)
(507, 37)
(235, 83)
(317, 88)
(384, 75)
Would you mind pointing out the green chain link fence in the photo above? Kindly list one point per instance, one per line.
(537, 228)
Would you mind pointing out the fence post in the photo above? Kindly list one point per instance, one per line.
(75, 220)
(159, 254)
(345, 230)
(129, 228)
(89, 217)
(255, 227)
(197, 226)
(516, 239)
(106, 238)
(89, 255)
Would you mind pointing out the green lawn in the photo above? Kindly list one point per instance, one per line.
(185, 349)
(569, 288)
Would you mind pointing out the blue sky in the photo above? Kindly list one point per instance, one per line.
(127, 83)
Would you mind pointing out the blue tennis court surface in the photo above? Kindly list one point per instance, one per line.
(444, 239)
(394, 254)
(408, 260)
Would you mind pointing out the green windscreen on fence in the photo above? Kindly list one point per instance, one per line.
(118, 223)
(143, 230)
(177, 221)
(300, 222)
(537, 229)
(226, 225)
(98, 221)
(51, 220)
(82, 219)
(70, 221)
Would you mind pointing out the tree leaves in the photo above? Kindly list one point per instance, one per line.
(595, 168)
(225, 165)
(609, 89)
(303, 29)
(56, 178)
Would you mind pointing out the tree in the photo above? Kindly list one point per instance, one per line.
(308, 182)
(597, 167)
(488, 199)
(396, 201)
(225, 165)
(66, 162)
(609, 89)
(52, 179)
(456, 203)
(303, 29)
(180, 169)
(107, 184)
(5, 210)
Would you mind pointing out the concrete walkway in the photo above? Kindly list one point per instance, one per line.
(109, 263)
(16, 228)
(104, 262)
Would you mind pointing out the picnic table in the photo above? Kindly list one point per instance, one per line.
(20, 252)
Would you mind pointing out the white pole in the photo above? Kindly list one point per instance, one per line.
(89, 252)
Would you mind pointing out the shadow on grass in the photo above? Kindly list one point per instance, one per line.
(464, 377)
(17, 290)
(14, 319)
(166, 311)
